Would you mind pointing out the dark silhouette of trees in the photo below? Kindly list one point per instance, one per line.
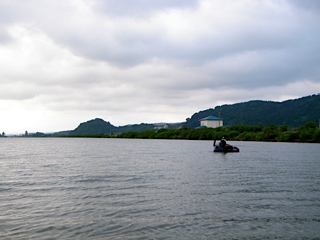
(307, 133)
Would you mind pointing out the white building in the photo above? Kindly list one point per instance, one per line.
(211, 122)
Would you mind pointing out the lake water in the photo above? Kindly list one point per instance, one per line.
(63, 188)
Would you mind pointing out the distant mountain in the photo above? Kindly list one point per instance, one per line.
(99, 126)
(136, 127)
(95, 126)
(294, 113)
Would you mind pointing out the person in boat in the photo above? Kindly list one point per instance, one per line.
(223, 143)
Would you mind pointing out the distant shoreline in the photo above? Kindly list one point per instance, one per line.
(309, 133)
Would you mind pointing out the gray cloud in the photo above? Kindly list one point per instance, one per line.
(139, 8)
(310, 5)
(155, 60)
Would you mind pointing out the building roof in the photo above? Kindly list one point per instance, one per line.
(211, 118)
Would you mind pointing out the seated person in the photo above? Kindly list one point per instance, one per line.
(223, 143)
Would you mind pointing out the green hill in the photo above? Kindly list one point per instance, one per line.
(99, 126)
(95, 126)
(294, 113)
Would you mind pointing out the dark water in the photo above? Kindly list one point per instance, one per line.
(157, 189)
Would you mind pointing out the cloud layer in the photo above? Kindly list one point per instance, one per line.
(64, 62)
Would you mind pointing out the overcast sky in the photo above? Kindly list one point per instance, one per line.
(145, 61)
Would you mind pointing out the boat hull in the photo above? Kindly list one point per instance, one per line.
(228, 149)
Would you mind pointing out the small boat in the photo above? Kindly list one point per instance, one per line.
(226, 149)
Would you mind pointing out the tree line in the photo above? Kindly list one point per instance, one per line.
(306, 133)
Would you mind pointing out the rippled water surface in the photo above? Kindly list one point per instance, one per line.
(60, 188)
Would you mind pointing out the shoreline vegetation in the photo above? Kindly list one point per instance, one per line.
(294, 120)
(308, 133)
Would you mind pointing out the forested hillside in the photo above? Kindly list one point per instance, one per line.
(99, 126)
(293, 113)
(95, 126)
